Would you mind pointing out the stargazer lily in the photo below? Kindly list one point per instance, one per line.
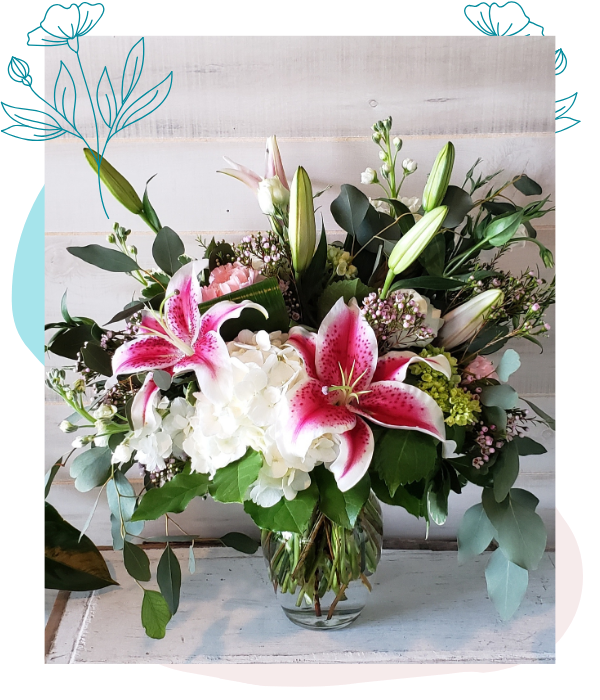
(177, 338)
(347, 382)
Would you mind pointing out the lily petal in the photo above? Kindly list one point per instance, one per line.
(305, 343)
(150, 323)
(310, 414)
(212, 365)
(214, 318)
(241, 173)
(394, 365)
(61, 21)
(39, 37)
(181, 308)
(356, 451)
(143, 402)
(396, 405)
(274, 166)
(144, 354)
(89, 16)
(346, 340)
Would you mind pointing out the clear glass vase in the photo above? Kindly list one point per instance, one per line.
(321, 577)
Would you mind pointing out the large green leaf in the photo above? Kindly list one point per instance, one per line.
(136, 562)
(91, 468)
(97, 359)
(266, 293)
(506, 584)
(166, 249)
(155, 614)
(286, 516)
(240, 542)
(527, 446)
(168, 575)
(104, 258)
(230, 483)
(527, 186)
(502, 228)
(520, 531)
(475, 533)
(403, 498)
(506, 470)
(69, 343)
(348, 289)
(172, 497)
(341, 507)
(404, 456)
(349, 209)
(459, 203)
(72, 561)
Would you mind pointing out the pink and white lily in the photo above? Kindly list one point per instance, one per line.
(272, 190)
(347, 382)
(179, 339)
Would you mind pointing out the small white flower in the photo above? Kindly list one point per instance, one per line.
(121, 454)
(104, 412)
(409, 165)
(67, 427)
(368, 177)
(413, 203)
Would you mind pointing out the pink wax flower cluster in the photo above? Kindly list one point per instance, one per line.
(479, 368)
(229, 278)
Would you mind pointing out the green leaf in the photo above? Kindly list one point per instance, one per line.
(116, 184)
(402, 497)
(488, 341)
(240, 542)
(505, 471)
(498, 208)
(155, 614)
(520, 531)
(433, 257)
(527, 186)
(230, 483)
(342, 508)
(527, 446)
(506, 584)
(104, 258)
(459, 203)
(524, 498)
(501, 395)
(151, 217)
(428, 282)
(350, 208)
(50, 474)
(464, 466)
(121, 498)
(131, 308)
(168, 575)
(495, 415)
(286, 516)
(404, 456)
(162, 379)
(172, 497)
(91, 468)
(437, 497)
(348, 289)
(400, 211)
(69, 343)
(72, 563)
(166, 249)
(502, 228)
(509, 364)
(97, 359)
(313, 278)
(191, 560)
(548, 420)
(136, 562)
(475, 533)
(64, 311)
(266, 293)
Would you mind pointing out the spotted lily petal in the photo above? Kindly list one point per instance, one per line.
(181, 308)
(150, 323)
(394, 365)
(220, 312)
(144, 401)
(310, 414)
(396, 405)
(145, 354)
(345, 340)
(305, 343)
(356, 451)
(212, 365)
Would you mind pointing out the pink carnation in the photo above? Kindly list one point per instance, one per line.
(229, 278)
(479, 368)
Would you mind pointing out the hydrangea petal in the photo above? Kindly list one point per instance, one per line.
(214, 318)
(356, 451)
(394, 365)
(181, 307)
(212, 365)
(144, 354)
(305, 343)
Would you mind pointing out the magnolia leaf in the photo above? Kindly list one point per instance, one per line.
(506, 584)
(131, 308)
(527, 186)
(97, 359)
(526, 446)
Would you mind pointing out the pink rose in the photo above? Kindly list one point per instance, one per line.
(229, 278)
(479, 368)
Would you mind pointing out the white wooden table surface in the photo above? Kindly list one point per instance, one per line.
(424, 608)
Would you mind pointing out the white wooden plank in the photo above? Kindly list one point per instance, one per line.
(327, 86)
(189, 194)
(424, 609)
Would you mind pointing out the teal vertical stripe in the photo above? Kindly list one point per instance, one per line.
(22, 173)
(577, 93)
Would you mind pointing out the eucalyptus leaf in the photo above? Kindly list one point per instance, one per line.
(191, 560)
(104, 258)
(509, 364)
(350, 208)
(506, 470)
(162, 379)
(91, 468)
(526, 446)
(168, 576)
(155, 614)
(527, 186)
(121, 498)
(506, 584)
(475, 533)
(501, 395)
(496, 416)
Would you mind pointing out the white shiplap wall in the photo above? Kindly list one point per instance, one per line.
(493, 97)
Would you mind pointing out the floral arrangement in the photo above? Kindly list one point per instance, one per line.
(310, 380)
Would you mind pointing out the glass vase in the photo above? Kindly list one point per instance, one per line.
(321, 576)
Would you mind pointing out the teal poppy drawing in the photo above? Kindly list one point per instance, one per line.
(117, 110)
(502, 20)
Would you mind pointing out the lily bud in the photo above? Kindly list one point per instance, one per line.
(18, 70)
(439, 178)
(302, 230)
(272, 195)
(116, 184)
(413, 243)
(464, 322)
(274, 166)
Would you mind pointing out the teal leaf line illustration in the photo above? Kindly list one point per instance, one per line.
(562, 107)
(65, 26)
(502, 20)
(560, 62)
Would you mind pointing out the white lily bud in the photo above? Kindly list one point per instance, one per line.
(272, 195)
(462, 323)
(302, 229)
(368, 177)
(409, 165)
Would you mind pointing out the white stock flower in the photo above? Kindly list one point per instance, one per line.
(368, 177)
(409, 165)
(413, 203)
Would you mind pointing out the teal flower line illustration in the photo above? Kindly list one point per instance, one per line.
(65, 26)
(502, 20)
